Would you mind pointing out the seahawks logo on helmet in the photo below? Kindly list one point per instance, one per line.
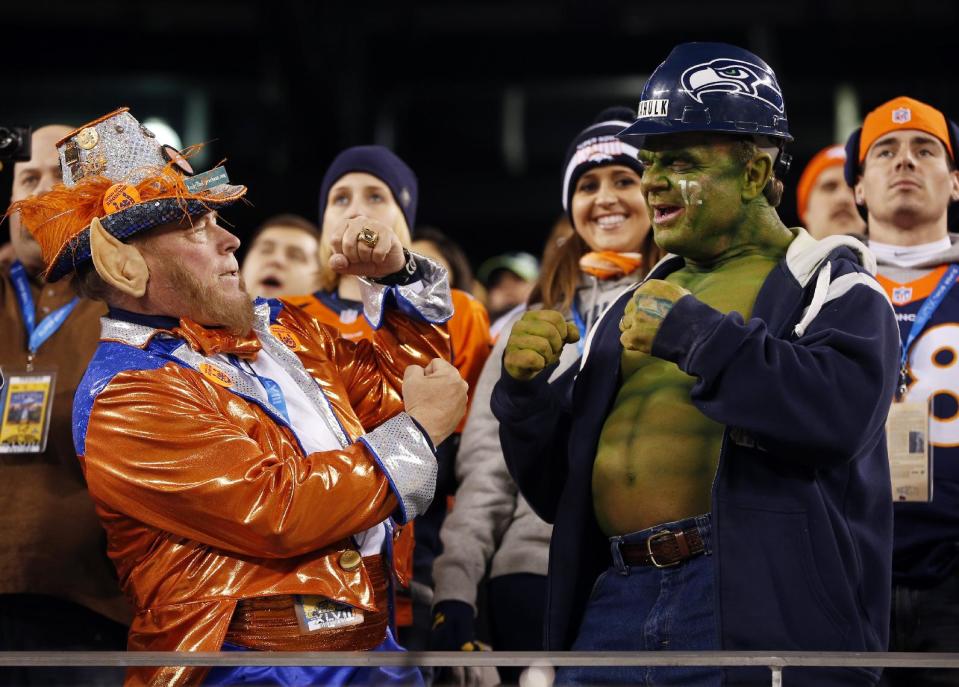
(724, 75)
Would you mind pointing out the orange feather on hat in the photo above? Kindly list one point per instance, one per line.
(56, 217)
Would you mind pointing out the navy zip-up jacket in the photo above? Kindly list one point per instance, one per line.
(801, 501)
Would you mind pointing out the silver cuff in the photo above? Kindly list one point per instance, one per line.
(405, 455)
(428, 299)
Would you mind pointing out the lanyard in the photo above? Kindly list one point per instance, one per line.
(36, 334)
(929, 307)
(273, 390)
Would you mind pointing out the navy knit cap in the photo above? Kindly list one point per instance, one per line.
(384, 165)
(597, 146)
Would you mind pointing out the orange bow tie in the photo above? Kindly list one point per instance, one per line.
(213, 341)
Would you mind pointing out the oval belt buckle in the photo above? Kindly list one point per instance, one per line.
(659, 536)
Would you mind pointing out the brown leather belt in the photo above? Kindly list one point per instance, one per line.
(270, 623)
(664, 548)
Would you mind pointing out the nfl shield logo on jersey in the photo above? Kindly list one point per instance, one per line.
(902, 295)
(901, 115)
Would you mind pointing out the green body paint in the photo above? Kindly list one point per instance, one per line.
(657, 453)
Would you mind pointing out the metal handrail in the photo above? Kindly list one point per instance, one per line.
(776, 661)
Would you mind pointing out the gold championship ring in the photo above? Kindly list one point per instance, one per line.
(368, 236)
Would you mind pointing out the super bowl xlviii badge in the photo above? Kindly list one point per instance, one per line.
(319, 613)
(26, 399)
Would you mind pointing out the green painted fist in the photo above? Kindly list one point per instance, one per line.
(645, 313)
(536, 341)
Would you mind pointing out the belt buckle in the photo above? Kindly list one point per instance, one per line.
(659, 536)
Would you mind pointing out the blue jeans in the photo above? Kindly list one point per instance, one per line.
(645, 608)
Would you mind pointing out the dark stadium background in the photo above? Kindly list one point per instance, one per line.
(480, 98)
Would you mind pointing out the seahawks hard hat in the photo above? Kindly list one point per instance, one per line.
(712, 87)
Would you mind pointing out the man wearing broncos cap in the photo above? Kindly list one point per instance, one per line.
(902, 169)
(719, 478)
(824, 202)
(244, 460)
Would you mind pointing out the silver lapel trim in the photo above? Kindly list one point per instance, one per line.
(137, 335)
(241, 383)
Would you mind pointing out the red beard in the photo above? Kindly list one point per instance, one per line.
(208, 304)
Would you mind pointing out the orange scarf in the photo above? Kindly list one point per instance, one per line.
(608, 264)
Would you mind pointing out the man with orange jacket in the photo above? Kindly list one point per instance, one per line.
(244, 460)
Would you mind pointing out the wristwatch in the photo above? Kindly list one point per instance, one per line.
(407, 274)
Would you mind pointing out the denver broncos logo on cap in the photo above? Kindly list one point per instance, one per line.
(724, 75)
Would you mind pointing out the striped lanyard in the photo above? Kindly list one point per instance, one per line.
(928, 309)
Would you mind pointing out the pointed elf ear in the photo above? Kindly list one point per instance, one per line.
(120, 265)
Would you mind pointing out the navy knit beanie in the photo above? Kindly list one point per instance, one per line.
(384, 165)
(597, 146)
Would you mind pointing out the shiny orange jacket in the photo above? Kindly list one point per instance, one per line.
(470, 340)
(468, 327)
(207, 499)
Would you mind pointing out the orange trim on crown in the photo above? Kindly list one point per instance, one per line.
(93, 123)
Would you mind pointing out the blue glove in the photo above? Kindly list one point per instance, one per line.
(453, 627)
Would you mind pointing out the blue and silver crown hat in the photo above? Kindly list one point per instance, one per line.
(114, 169)
(711, 87)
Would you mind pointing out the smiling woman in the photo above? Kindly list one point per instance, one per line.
(608, 209)
(605, 246)
(603, 199)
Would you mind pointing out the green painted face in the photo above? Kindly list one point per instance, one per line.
(693, 185)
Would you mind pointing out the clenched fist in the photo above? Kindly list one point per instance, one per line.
(536, 341)
(435, 396)
(645, 313)
(365, 247)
